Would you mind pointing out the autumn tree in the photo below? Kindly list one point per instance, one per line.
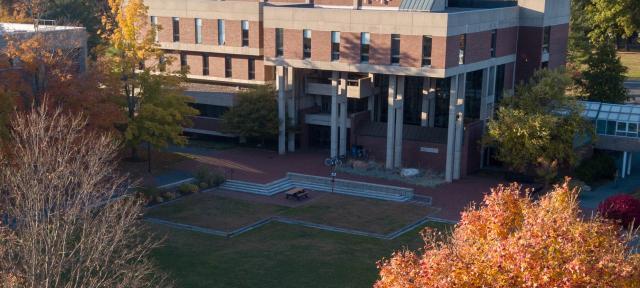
(132, 45)
(509, 240)
(611, 18)
(255, 114)
(535, 130)
(72, 221)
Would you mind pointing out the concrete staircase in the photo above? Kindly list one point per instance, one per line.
(324, 184)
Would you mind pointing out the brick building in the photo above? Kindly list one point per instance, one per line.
(412, 81)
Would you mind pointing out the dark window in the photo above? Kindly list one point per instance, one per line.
(395, 48)
(426, 50)
(205, 65)
(227, 66)
(279, 42)
(546, 39)
(365, 39)
(545, 65)
(494, 39)
(335, 46)
(211, 111)
(306, 43)
(198, 31)
(183, 61)
(245, 33)
(176, 29)
(462, 46)
(473, 95)
(500, 73)
(443, 92)
(252, 69)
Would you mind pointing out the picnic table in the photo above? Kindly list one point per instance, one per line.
(297, 193)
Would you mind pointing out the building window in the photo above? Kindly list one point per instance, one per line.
(365, 39)
(306, 43)
(154, 26)
(227, 66)
(252, 68)
(335, 46)
(210, 111)
(395, 48)
(494, 42)
(205, 65)
(198, 31)
(462, 46)
(162, 64)
(546, 39)
(245, 33)
(176, 29)
(220, 32)
(279, 44)
(183, 61)
(426, 50)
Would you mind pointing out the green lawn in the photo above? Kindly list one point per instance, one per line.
(215, 212)
(632, 61)
(276, 255)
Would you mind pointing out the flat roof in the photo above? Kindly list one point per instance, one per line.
(6, 27)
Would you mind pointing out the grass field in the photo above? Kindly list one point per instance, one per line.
(632, 61)
(276, 255)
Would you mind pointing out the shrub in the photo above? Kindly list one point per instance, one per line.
(149, 194)
(188, 188)
(211, 178)
(624, 208)
(158, 199)
(599, 167)
(204, 185)
(169, 195)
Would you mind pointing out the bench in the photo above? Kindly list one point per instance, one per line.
(297, 193)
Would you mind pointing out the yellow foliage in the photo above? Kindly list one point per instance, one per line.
(513, 241)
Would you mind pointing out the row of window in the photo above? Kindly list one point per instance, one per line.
(614, 128)
(365, 38)
(244, 24)
(228, 68)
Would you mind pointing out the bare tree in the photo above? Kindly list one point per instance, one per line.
(71, 223)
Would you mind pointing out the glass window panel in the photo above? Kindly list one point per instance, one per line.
(611, 127)
(601, 127)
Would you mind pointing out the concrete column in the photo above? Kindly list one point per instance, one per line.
(484, 97)
(457, 159)
(629, 160)
(291, 107)
(391, 116)
(623, 171)
(451, 135)
(343, 115)
(399, 122)
(280, 76)
(334, 114)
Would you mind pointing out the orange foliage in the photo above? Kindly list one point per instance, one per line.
(513, 241)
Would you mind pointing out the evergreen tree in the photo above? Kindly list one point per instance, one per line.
(603, 79)
(255, 114)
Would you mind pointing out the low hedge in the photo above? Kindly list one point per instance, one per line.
(599, 167)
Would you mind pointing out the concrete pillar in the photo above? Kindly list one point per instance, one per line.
(623, 171)
(291, 108)
(280, 76)
(451, 135)
(334, 114)
(399, 122)
(484, 97)
(342, 102)
(457, 159)
(629, 160)
(391, 116)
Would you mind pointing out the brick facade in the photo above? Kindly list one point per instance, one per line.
(269, 42)
(321, 46)
(188, 30)
(478, 47)
(165, 33)
(529, 51)
(558, 46)
(292, 44)
(411, 51)
(506, 43)
(350, 47)
(380, 49)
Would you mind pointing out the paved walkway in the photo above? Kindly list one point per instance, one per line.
(262, 166)
(589, 200)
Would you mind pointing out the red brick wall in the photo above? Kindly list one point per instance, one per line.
(321, 46)
(438, 52)
(166, 29)
(194, 61)
(233, 33)
(216, 66)
(187, 30)
(529, 52)
(254, 34)
(478, 47)
(506, 41)
(452, 51)
(269, 42)
(380, 51)
(350, 47)
(558, 45)
(293, 44)
(209, 32)
(411, 51)
(240, 68)
(174, 58)
(379, 3)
